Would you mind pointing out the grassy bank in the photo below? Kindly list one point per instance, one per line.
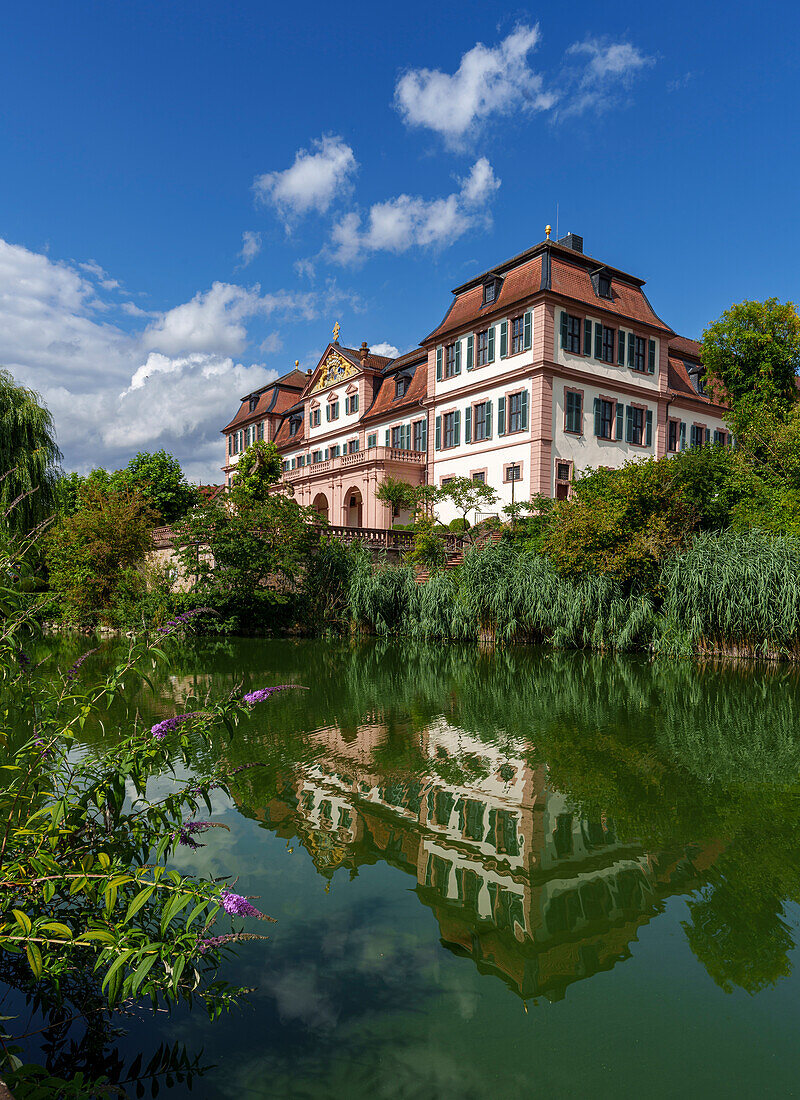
(733, 593)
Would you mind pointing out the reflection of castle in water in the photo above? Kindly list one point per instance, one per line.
(531, 890)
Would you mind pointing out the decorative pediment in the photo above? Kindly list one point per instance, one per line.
(334, 369)
(314, 403)
(351, 389)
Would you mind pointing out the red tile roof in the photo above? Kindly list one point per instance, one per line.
(519, 283)
(629, 301)
(684, 347)
(282, 437)
(385, 402)
(273, 399)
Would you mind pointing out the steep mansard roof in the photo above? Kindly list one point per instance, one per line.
(275, 397)
(552, 267)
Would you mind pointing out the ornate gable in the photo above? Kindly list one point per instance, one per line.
(334, 368)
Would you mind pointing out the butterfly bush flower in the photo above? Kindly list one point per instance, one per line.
(161, 729)
(181, 620)
(262, 694)
(186, 831)
(238, 906)
(73, 671)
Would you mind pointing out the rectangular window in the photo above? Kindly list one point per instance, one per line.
(515, 411)
(574, 413)
(420, 435)
(480, 477)
(353, 446)
(399, 438)
(609, 341)
(513, 472)
(638, 359)
(451, 429)
(483, 348)
(697, 435)
(574, 335)
(260, 430)
(517, 335)
(635, 425)
(672, 436)
(372, 439)
(489, 292)
(720, 438)
(603, 418)
(401, 386)
(563, 473)
(316, 417)
(450, 361)
(351, 404)
(587, 337)
(621, 349)
(481, 422)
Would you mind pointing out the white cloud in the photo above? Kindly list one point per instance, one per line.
(271, 344)
(113, 391)
(312, 183)
(409, 221)
(214, 320)
(611, 66)
(305, 268)
(251, 246)
(389, 350)
(93, 268)
(489, 81)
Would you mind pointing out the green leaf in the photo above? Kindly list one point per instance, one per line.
(172, 908)
(23, 920)
(98, 934)
(58, 928)
(142, 970)
(138, 902)
(34, 959)
(115, 966)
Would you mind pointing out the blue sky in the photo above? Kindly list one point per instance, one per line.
(192, 193)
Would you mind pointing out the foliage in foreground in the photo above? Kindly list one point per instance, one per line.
(91, 918)
(29, 456)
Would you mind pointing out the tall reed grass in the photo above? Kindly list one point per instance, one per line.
(730, 592)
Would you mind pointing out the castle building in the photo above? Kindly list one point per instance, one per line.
(546, 365)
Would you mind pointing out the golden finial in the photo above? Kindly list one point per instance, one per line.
(297, 362)
(336, 333)
(547, 229)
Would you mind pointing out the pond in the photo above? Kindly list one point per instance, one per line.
(500, 873)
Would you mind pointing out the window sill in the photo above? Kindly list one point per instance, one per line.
(572, 431)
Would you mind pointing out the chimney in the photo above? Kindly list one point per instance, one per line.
(571, 240)
(363, 352)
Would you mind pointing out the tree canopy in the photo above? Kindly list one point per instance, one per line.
(29, 456)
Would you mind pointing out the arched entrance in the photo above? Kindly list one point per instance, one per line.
(353, 508)
(320, 505)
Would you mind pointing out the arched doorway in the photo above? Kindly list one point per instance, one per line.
(320, 505)
(353, 508)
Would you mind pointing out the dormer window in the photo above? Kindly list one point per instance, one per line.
(253, 403)
(401, 385)
(294, 425)
(601, 281)
(491, 289)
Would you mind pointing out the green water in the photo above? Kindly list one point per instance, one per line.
(502, 874)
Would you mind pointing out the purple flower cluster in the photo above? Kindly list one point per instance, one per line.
(73, 671)
(161, 729)
(238, 906)
(184, 834)
(24, 661)
(211, 942)
(44, 753)
(185, 617)
(262, 694)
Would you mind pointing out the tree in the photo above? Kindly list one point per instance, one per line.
(259, 468)
(467, 495)
(162, 483)
(29, 456)
(95, 553)
(398, 494)
(753, 352)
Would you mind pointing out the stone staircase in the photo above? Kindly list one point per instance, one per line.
(456, 557)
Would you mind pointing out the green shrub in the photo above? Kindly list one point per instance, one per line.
(459, 525)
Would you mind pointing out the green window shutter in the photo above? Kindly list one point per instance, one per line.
(438, 433)
(648, 427)
(598, 340)
(470, 352)
(524, 409)
(458, 357)
(563, 328)
(651, 357)
(620, 421)
(438, 364)
(628, 424)
(708, 435)
(468, 424)
(388, 437)
(598, 416)
(489, 419)
(490, 350)
(501, 416)
(621, 349)
(526, 337)
(631, 348)
(327, 453)
(503, 339)
(587, 337)
(456, 428)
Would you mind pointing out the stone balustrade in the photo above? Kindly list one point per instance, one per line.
(369, 457)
